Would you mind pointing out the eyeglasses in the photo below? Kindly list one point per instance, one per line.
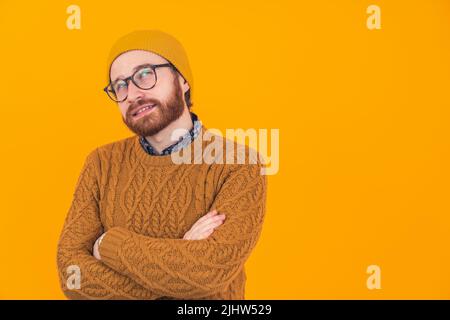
(144, 78)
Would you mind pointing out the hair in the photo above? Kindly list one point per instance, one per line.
(187, 94)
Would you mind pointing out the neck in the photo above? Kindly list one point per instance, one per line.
(164, 138)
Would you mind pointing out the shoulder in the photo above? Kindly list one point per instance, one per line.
(115, 149)
(232, 153)
(112, 151)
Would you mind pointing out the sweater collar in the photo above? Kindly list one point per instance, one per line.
(185, 140)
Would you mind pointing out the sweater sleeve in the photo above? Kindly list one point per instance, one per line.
(81, 229)
(193, 269)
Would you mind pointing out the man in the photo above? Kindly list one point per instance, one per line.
(141, 225)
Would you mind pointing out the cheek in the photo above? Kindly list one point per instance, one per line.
(164, 89)
(123, 109)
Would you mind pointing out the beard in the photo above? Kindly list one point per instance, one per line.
(164, 113)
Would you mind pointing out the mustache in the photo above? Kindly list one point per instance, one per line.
(133, 107)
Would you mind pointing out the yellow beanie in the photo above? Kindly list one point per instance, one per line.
(157, 42)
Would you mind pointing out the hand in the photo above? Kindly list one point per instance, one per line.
(204, 226)
(95, 250)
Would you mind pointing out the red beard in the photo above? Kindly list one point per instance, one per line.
(159, 118)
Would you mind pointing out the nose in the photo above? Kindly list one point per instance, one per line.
(134, 93)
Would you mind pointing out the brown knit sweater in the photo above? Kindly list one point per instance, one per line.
(146, 204)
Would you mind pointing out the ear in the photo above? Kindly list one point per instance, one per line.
(184, 84)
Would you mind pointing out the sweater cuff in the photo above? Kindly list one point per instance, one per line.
(110, 247)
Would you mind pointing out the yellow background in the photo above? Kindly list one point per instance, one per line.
(364, 133)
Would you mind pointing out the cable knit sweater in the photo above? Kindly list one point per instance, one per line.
(146, 204)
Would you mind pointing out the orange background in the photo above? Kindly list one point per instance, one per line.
(363, 118)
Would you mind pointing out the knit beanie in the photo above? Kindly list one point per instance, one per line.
(157, 42)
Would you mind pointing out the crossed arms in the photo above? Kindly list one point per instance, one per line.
(128, 265)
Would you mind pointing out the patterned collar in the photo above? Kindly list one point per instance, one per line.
(181, 143)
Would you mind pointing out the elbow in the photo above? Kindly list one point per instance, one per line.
(73, 295)
(209, 286)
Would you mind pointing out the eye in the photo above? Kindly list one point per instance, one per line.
(120, 85)
(145, 72)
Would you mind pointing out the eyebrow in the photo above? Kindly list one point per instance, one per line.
(133, 71)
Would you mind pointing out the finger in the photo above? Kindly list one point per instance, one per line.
(201, 225)
(188, 235)
(206, 234)
(207, 230)
(206, 216)
(208, 221)
(211, 225)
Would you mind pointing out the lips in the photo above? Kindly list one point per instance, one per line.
(143, 109)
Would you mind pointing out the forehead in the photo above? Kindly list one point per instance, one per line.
(123, 65)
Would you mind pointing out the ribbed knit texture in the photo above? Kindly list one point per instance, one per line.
(146, 204)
